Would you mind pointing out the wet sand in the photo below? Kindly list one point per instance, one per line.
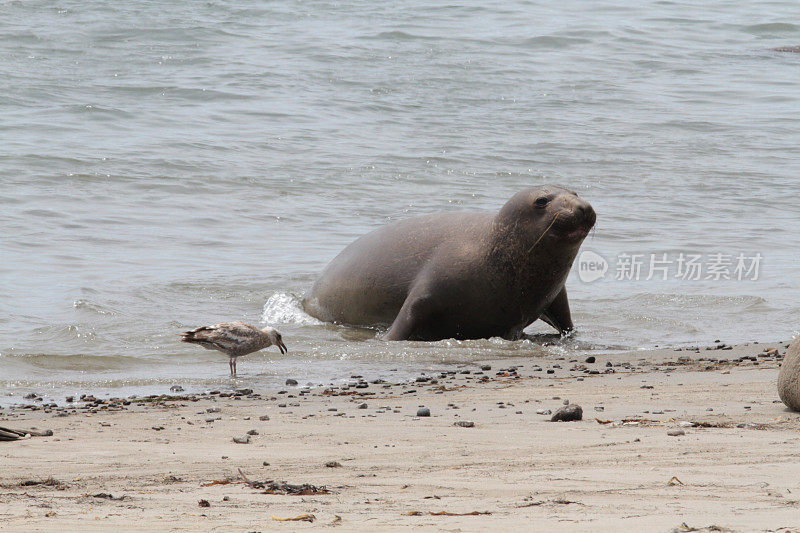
(145, 464)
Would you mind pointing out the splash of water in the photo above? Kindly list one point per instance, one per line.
(285, 308)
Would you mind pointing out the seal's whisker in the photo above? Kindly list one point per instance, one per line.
(543, 233)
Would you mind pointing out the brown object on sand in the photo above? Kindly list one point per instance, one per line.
(15, 434)
(789, 377)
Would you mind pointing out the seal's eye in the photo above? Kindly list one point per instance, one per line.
(541, 201)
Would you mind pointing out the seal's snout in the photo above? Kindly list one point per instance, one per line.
(586, 212)
(579, 219)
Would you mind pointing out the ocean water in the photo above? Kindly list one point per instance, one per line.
(165, 165)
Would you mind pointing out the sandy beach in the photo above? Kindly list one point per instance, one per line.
(689, 440)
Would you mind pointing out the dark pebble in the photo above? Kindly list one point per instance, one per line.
(424, 412)
(465, 424)
(291, 382)
(590, 359)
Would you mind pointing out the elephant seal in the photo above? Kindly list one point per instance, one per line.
(789, 377)
(460, 275)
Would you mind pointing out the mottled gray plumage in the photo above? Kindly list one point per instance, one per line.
(234, 339)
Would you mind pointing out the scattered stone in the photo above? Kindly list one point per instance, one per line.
(465, 424)
(204, 503)
(591, 359)
(486, 367)
(245, 439)
(676, 432)
(544, 412)
(291, 382)
(568, 413)
(252, 432)
(263, 418)
(424, 411)
(176, 388)
(333, 464)
(363, 406)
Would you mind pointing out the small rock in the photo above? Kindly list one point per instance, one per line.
(252, 432)
(333, 464)
(544, 412)
(486, 367)
(176, 388)
(568, 413)
(291, 382)
(590, 359)
(363, 406)
(465, 424)
(676, 432)
(245, 439)
(424, 411)
(263, 418)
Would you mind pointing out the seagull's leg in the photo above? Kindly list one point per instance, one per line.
(230, 364)
(234, 366)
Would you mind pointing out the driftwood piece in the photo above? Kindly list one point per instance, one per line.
(8, 435)
(14, 434)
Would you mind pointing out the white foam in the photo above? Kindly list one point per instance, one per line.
(284, 308)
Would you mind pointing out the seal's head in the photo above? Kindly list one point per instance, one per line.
(548, 214)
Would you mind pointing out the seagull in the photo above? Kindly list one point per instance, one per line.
(235, 339)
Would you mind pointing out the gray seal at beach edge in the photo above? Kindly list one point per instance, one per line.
(789, 377)
(466, 275)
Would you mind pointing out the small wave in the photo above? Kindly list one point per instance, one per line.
(771, 28)
(86, 305)
(284, 308)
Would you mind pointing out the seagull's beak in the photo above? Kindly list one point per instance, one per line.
(282, 347)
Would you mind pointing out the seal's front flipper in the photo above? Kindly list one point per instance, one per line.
(415, 311)
(557, 315)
